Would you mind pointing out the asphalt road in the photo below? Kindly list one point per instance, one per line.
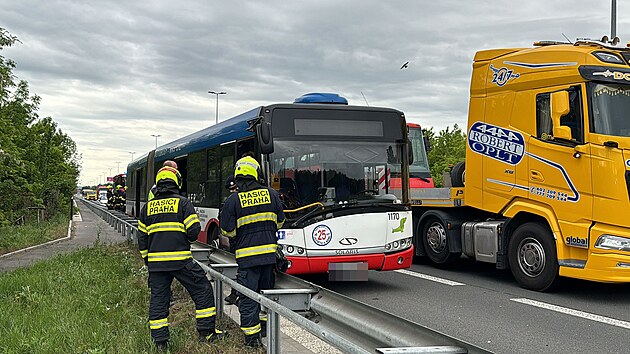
(481, 305)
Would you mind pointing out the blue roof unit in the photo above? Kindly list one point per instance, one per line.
(318, 97)
(228, 130)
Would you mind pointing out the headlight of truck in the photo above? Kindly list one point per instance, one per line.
(610, 242)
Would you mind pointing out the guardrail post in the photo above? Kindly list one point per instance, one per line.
(218, 296)
(273, 332)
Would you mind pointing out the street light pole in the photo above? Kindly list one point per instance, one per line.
(217, 107)
(156, 136)
(118, 170)
(132, 153)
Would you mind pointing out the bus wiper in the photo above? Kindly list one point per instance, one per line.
(328, 207)
(307, 215)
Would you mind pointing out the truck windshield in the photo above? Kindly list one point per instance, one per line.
(611, 109)
(420, 165)
(333, 171)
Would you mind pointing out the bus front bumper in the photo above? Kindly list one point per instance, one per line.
(378, 261)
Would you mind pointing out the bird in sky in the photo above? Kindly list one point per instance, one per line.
(405, 65)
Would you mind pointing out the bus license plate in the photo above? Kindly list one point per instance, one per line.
(353, 271)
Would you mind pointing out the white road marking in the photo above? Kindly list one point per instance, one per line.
(576, 313)
(428, 277)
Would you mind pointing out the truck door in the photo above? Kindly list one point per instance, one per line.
(560, 173)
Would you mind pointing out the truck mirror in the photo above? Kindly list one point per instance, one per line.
(265, 138)
(427, 143)
(559, 108)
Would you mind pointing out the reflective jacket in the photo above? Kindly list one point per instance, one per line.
(167, 226)
(251, 218)
(152, 193)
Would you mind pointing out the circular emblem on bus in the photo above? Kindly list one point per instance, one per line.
(322, 235)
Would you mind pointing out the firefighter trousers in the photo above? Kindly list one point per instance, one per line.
(255, 278)
(194, 279)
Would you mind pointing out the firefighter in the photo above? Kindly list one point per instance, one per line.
(230, 184)
(120, 197)
(250, 218)
(110, 197)
(167, 226)
(153, 189)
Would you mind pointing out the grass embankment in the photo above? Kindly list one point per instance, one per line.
(94, 300)
(13, 238)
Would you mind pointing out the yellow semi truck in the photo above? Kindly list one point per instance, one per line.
(545, 188)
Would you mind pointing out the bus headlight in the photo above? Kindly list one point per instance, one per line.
(398, 245)
(300, 250)
(610, 242)
(290, 249)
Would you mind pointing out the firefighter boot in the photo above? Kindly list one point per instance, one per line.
(162, 346)
(212, 337)
(253, 341)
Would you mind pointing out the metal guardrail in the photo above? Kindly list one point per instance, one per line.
(347, 324)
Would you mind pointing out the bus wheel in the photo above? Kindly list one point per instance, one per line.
(532, 255)
(214, 238)
(435, 241)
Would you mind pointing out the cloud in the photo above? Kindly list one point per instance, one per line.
(112, 73)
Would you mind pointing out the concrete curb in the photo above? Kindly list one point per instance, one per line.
(43, 244)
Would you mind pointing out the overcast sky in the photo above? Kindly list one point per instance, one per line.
(111, 73)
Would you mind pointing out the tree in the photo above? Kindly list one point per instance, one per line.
(40, 165)
(448, 147)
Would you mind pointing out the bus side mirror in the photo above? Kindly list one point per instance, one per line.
(559, 108)
(265, 138)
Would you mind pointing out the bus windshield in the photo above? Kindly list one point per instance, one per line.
(333, 171)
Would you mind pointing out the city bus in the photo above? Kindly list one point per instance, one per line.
(325, 158)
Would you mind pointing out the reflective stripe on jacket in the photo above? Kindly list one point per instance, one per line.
(251, 219)
(167, 226)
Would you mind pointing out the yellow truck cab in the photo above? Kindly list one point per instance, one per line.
(546, 187)
(90, 194)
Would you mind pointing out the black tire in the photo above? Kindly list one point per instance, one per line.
(214, 238)
(532, 256)
(435, 241)
(458, 174)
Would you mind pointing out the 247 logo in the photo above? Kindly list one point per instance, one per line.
(503, 75)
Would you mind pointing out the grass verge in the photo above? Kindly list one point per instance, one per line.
(13, 238)
(94, 300)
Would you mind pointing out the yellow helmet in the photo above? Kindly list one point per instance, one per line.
(246, 166)
(167, 172)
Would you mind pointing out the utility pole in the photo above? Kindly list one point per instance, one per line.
(613, 21)
(217, 107)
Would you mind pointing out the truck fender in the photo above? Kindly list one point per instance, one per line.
(535, 208)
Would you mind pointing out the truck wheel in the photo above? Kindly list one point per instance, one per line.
(532, 255)
(458, 174)
(435, 241)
